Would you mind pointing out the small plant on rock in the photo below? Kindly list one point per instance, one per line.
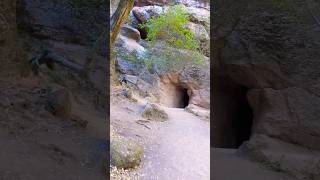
(171, 43)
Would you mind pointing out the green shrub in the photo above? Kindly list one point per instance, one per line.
(171, 43)
(171, 27)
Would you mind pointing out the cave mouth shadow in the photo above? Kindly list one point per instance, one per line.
(243, 119)
(183, 97)
(175, 96)
(233, 117)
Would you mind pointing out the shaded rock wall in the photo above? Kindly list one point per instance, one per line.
(7, 34)
(272, 50)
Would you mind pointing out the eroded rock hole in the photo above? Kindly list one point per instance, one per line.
(232, 116)
(183, 98)
(175, 96)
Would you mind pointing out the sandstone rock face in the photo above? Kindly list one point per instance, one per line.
(276, 66)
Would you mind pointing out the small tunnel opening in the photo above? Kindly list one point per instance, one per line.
(233, 117)
(183, 99)
(175, 96)
(242, 120)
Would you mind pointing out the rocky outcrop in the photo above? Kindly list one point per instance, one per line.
(186, 85)
(200, 19)
(260, 50)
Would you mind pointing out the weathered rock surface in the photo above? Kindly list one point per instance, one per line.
(68, 21)
(131, 33)
(127, 66)
(125, 153)
(199, 16)
(276, 66)
(128, 46)
(278, 155)
(202, 35)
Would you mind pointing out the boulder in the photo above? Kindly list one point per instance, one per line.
(125, 153)
(127, 46)
(127, 66)
(154, 113)
(143, 14)
(130, 32)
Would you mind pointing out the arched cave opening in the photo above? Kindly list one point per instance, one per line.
(175, 96)
(183, 97)
(233, 117)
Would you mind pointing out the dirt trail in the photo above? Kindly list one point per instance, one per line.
(180, 148)
(227, 165)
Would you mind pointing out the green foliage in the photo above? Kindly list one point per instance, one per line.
(171, 27)
(171, 44)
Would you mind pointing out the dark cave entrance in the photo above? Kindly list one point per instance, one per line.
(143, 33)
(233, 117)
(183, 97)
(175, 96)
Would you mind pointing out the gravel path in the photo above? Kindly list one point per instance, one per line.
(180, 149)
